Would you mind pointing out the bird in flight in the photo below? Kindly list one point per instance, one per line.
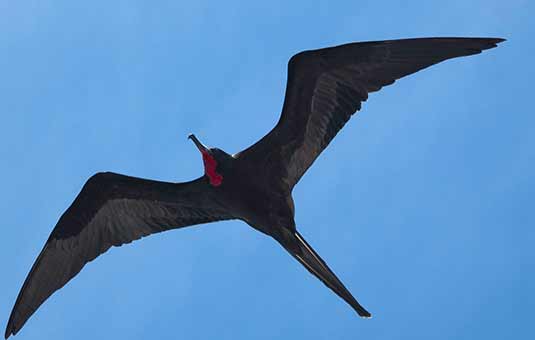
(325, 87)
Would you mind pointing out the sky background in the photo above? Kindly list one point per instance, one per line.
(423, 204)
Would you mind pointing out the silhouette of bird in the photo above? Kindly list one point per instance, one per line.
(325, 87)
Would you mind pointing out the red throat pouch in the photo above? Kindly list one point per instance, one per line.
(210, 164)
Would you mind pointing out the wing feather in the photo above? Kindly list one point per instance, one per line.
(326, 87)
(111, 210)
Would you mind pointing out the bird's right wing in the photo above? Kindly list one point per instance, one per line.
(111, 210)
(326, 86)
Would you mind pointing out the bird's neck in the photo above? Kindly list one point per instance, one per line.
(210, 165)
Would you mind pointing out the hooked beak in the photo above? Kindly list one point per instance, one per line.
(198, 144)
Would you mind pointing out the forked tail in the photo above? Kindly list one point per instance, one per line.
(296, 245)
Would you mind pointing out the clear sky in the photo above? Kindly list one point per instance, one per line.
(423, 204)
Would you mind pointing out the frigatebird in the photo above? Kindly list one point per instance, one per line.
(325, 87)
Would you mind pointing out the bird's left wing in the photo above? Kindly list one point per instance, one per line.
(111, 210)
(326, 86)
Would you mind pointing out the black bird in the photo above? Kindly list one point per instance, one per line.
(324, 88)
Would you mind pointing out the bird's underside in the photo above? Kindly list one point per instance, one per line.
(324, 88)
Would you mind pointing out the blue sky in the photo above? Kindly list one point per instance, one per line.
(422, 205)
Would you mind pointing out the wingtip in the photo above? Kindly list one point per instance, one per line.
(488, 43)
(9, 330)
(497, 41)
(482, 44)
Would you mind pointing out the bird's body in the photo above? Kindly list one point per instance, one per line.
(325, 87)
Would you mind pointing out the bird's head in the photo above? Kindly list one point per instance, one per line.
(216, 162)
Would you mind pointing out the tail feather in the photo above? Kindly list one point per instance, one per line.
(296, 245)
